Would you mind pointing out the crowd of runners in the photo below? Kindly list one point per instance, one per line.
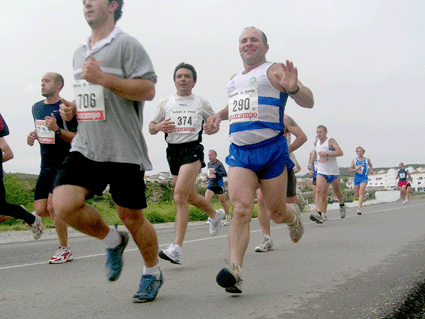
(96, 140)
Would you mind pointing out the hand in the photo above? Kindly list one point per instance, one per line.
(31, 138)
(311, 173)
(67, 110)
(91, 71)
(287, 76)
(212, 125)
(165, 126)
(51, 123)
(322, 154)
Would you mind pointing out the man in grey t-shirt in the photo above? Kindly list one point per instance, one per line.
(113, 77)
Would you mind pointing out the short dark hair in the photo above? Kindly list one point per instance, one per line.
(185, 66)
(59, 78)
(323, 127)
(213, 151)
(118, 12)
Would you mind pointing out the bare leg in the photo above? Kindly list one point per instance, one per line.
(69, 205)
(336, 186)
(143, 233)
(322, 187)
(61, 227)
(263, 217)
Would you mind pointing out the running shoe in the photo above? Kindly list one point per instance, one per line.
(36, 227)
(207, 222)
(148, 288)
(227, 221)
(324, 217)
(359, 212)
(215, 225)
(266, 245)
(61, 256)
(316, 217)
(303, 202)
(114, 258)
(342, 211)
(173, 253)
(230, 278)
(296, 231)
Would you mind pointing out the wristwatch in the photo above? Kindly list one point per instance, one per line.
(58, 132)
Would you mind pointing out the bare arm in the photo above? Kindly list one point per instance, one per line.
(284, 77)
(370, 166)
(293, 128)
(7, 151)
(338, 151)
(352, 168)
(213, 122)
(165, 126)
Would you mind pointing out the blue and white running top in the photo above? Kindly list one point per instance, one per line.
(256, 108)
(364, 171)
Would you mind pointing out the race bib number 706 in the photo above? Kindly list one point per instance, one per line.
(90, 101)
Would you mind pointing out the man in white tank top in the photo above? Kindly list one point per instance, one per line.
(256, 104)
(326, 151)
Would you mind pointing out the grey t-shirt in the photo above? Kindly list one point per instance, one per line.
(119, 137)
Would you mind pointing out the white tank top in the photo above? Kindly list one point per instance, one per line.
(326, 165)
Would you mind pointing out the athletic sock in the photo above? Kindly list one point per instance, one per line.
(153, 271)
(113, 239)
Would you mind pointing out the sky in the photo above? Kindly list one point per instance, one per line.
(363, 60)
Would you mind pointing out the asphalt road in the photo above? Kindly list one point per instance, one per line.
(357, 267)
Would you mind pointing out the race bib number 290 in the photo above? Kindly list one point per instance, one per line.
(90, 101)
(243, 105)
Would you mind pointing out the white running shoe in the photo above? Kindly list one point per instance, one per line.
(227, 221)
(266, 245)
(37, 227)
(230, 278)
(324, 217)
(215, 225)
(342, 211)
(316, 217)
(61, 256)
(296, 231)
(173, 253)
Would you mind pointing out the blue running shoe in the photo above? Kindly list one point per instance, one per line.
(114, 258)
(148, 288)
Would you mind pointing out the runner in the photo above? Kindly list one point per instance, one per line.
(362, 167)
(180, 117)
(327, 150)
(54, 136)
(14, 210)
(403, 175)
(258, 149)
(216, 172)
(113, 77)
(313, 173)
(291, 128)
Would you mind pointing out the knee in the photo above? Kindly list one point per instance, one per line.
(180, 198)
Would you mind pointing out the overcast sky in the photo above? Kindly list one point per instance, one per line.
(363, 60)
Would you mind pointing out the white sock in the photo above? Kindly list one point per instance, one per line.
(113, 239)
(154, 271)
(293, 221)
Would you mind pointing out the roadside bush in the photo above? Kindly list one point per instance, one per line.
(16, 192)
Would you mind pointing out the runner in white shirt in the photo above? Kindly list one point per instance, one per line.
(181, 117)
(326, 151)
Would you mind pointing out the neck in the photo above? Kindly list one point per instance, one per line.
(100, 33)
(250, 67)
(52, 99)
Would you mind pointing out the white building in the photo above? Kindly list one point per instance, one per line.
(387, 179)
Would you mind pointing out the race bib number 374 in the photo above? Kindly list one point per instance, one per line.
(90, 101)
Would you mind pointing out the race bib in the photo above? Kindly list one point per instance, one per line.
(185, 121)
(243, 105)
(360, 171)
(44, 134)
(90, 101)
(402, 175)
